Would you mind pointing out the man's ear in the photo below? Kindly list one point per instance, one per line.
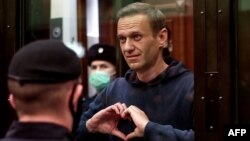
(77, 95)
(12, 101)
(163, 37)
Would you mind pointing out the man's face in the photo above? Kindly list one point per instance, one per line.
(138, 45)
(100, 65)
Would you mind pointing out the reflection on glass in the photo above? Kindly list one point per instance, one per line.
(36, 20)
(180, 19)
(243, 60)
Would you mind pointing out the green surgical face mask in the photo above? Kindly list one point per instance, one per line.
(99, 80)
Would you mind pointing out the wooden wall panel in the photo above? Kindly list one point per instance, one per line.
(7, 48)
(182, 37)
(82, 38)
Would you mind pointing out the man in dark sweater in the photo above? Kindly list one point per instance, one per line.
(154, 101)
(43, 80)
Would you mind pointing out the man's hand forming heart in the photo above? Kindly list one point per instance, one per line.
(106, 121)
(139, 118)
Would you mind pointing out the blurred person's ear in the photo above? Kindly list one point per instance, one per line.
(12, 101)
(77, 96)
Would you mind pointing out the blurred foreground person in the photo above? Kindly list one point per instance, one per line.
(44, 85)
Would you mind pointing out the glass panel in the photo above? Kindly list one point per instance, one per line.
(243, 60)
(36, 20)
(179, 15)
(55, 19)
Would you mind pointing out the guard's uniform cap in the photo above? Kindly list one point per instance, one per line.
(44, 61)
(103, 52)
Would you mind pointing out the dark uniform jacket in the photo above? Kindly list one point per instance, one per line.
(167, 100)
(37, 131)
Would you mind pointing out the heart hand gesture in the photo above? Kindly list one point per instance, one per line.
(106, 121)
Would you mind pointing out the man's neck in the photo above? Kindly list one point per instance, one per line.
(66, 122)
(152, 72)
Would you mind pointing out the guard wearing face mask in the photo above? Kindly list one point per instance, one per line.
(102, 61)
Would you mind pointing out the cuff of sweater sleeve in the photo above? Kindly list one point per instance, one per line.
(153, 129)
(85, 127)
(82, 131)
(148, 132)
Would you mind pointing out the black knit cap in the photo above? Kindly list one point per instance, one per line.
(103, 52)
(44, 61)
